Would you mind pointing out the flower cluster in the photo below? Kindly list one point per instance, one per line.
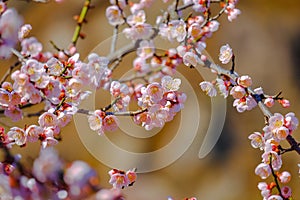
(162, 101)
(278, 129)
(121, 179)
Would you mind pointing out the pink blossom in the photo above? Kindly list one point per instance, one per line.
(237, 92)
(257, 140)
(285, 103)
(154, 92)
(95, 121)
(55, 67)
(24, 31)
(195, 31)
(34, 69)
(222, 86)
(208, 88)
(263, 170)
(137, 17)
(31, 47)
(10, 23)
(140, 65)
(110, 123)
(225, 54)
(48, 119)
(47, 137)
(290, 121)
(286, 192)
(146, 49)
(284, 177)
(17, 136)
(114, 15)
(275, 159)
(178, 29)
(245, 103)
(47, 166)
(118, 89)
(269, 102)
(264, 188)
(245, 81)
(138, 31)
(118, 179)
(33, 132)
(170, 84)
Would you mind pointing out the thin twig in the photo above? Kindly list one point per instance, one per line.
(80, 21)
(9, 71)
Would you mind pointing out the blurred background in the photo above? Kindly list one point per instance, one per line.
(266, 42)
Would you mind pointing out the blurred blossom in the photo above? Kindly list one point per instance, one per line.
(10, 23)
(78, 176)
(47, 166)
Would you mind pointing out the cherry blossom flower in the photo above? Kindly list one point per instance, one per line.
(225, 54)
(55, 67)
(269, 102)
(138, 31)
(118, 89)
(209, 88)
(284, 177)
(245, 81)
(276, 160)
(223, 87)
(290, 121)
(257, 140)
(48, 119)
(265, 189)
(114, 15)
(47, 137)
(245, 103)
(10, 23)
(33, 132)
(263, 170)
(237, 92)
(110, 123)
(286, 192)
(120, 179)
(95, 121)
(170, 84)
(285, 103)
(137, 17)
(31, 47)
(232, 12)
(146, 49)
(154, 92)
(17, 136)
(99, 74)
(24, 31)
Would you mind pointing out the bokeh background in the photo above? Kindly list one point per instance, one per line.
(266, 42)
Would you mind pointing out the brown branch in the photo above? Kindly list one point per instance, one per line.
(9, 71)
